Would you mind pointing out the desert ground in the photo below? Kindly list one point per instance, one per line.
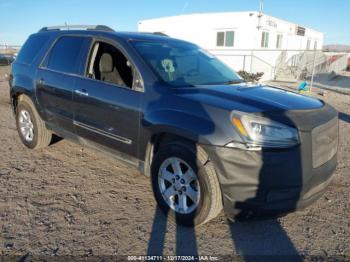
(68, 200)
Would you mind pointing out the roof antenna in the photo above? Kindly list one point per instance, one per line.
(66, 25)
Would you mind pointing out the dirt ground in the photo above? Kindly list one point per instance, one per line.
(65, 200)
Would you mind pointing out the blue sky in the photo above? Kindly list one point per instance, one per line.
(19, 18)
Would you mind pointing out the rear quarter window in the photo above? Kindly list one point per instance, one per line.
(65, 54)
(31, 48)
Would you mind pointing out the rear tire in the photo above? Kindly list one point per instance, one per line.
(31, 128)
(204, 184)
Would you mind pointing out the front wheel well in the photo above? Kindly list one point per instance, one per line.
(166, 138)
(16, 98)
(160, 139)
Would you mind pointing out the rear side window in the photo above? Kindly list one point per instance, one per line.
(31, 48)
(64, 56)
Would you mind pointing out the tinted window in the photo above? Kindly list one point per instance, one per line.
(64, 56)
(31, 48)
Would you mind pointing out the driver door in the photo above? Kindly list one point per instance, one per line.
(106, 104)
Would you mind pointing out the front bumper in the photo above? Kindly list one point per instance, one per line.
(275, 182)
(267, 183)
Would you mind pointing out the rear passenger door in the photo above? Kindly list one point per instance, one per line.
(56, 77)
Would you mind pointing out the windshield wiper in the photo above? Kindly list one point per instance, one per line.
(233, 82)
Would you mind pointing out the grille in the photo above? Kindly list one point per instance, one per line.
(324, 142)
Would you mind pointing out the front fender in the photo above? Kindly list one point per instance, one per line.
(199, 129)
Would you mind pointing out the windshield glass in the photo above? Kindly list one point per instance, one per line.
(184, 64)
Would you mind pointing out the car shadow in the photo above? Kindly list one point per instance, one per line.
(264, 240)
(186, 243)
(344, 117)
(55, 139)
(260, 240)
(332, 80)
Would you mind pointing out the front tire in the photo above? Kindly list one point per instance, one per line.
(31, 128)
(185, 184)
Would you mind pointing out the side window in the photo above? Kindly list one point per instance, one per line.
(31, 48)
(64, 56)
(108, 64)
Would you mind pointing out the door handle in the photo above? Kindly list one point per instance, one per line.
(81, 92)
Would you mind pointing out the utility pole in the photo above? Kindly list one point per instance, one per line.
(313, 70)
(261, 7)
(261, 13)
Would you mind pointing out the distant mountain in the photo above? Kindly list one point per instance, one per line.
(337, 48)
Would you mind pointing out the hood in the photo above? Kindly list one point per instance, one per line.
(250, 98)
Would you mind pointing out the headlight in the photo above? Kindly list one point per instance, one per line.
(258, 131)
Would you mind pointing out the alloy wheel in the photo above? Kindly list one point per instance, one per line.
(179, 185)
(26, 125)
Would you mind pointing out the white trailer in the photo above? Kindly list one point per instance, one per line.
(250, 41)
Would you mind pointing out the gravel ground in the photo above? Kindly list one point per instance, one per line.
(66, 200)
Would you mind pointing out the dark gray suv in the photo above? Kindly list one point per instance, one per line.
(205, 138)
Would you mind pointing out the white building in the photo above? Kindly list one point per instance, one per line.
(248, 41)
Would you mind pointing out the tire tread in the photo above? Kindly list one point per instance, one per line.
(44, 135)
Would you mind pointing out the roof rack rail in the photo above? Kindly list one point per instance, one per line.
(74, 27)
(154, 33)
(160, 33)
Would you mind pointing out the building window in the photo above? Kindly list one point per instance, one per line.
(279, 41)
(308, 45)
(230, 38)
(265, 39)
(225, 38)
(315, 45)
(220, 39)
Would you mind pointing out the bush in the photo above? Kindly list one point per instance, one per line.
(251, 77)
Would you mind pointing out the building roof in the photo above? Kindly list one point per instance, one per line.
(255, 13)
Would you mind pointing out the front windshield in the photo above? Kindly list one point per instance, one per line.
(184, 64)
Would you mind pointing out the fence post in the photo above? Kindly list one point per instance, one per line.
(244, 56)
(313, 71)
(251, 61)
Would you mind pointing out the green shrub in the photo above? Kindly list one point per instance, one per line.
(251, 77)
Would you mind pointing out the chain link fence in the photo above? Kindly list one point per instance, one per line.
(284, 65)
